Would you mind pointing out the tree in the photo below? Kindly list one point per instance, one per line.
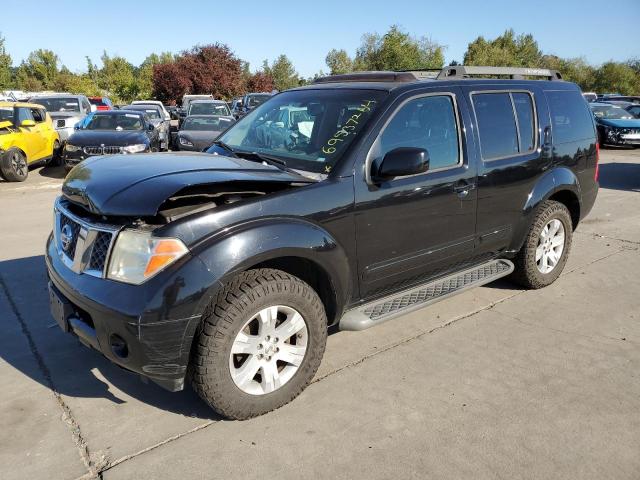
(39, 70)
(260, 82)
(339, 62)
(5, 65)
(283, 74)
(617, 77)
(507, 50)
(144, 73)
(209, 69)
(117, 79)
(397, 50)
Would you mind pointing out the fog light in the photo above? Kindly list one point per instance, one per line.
(118, 346)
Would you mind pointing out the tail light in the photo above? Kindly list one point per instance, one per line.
(597, 172)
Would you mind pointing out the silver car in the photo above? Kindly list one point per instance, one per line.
(65, 110)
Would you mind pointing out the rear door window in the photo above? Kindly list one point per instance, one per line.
(571, 118)
(506, 123)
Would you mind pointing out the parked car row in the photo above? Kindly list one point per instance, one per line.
(617, 125)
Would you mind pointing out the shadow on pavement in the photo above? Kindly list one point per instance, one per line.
(52, 172)
(620, 176)
(71, 365)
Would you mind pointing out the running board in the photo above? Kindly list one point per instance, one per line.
(384, 309)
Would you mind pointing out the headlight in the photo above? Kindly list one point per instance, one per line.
(137, 148)
(71, 148)
(185, 142)
(137, 256)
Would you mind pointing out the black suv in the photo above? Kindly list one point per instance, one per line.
(382, 192)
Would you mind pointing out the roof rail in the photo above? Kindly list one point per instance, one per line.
(383, 76)
(518, 73)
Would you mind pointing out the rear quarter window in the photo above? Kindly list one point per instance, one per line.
(571, 118)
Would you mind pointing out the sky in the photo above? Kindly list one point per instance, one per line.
(306, 30)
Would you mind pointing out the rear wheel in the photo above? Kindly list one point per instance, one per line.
(13, 165)
(259, 344)
(544, 254)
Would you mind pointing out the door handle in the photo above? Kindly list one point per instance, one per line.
(462, 188)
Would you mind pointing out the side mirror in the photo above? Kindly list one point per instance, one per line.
(76, 126)
(28, 123)
(150, 127)
(402, 162)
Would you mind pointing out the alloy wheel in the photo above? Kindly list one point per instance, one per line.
(268, 350)
(550, 246)
(19, 164)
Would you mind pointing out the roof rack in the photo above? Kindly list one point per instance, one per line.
(447, 73)
(517, 73)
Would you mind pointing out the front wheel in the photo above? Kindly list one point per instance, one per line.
(13, 165)
(544, 254)
(259, 344)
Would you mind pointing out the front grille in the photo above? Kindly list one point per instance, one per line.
(87, 244)
(74, 227)
(102, 150)
(99, 251)
(60, 123)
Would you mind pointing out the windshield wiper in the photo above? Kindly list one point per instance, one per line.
(276, 162)
(220, 143)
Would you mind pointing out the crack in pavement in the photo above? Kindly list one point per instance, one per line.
(606, 237)
(67, 415)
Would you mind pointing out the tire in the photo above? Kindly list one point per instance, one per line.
(234, 311)
(530, 270)
(13, 165)
(56, 156)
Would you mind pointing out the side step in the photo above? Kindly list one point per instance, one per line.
(384, 309)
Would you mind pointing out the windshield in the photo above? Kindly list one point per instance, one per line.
(204, 124)
(6, 114)
(209, 109)
(611, 112)
(58, 104)
(117, 122)
(255, 100)
(152, 113)
(309, 129)
(98, 102)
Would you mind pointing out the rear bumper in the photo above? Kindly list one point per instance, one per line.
(104, 314)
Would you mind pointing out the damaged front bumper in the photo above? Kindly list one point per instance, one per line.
(147, 329)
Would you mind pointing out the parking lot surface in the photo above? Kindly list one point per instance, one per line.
(494, 383)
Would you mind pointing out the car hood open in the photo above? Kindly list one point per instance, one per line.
(137, 185)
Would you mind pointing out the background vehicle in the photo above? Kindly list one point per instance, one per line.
(27, 137)
(590, 96)
(232, 267)
(209, 107)
(101, 103)
(623, 98)
(249, 102)
(65, 111)
(186, 101)
(616, 126)
(165, 110)
(199, 131)
(155, 115)
(111, 132)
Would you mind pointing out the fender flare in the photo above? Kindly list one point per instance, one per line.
(554, 181)
(270, 239)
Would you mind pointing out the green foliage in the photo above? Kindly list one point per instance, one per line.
(283, 74)
(397, 50)
(507, 50)
(616, 77)
(339, 62)
(513, 50)
(5, 65)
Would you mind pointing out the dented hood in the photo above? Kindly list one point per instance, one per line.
(137, 185)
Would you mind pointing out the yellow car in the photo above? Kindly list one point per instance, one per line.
(27, 137)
